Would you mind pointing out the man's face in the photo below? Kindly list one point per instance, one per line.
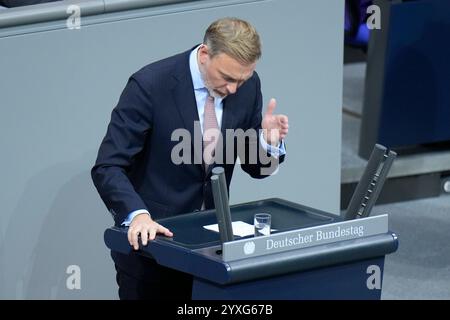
(222, 74)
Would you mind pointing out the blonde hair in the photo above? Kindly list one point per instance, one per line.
(235, 37)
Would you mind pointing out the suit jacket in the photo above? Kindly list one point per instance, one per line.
(134, 169)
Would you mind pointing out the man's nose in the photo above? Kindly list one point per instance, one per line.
(231, 88)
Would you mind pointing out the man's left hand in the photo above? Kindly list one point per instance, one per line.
(275, 126)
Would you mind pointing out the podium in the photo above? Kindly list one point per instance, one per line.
(311, 254)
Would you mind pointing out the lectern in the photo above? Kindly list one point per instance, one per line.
(311, 255)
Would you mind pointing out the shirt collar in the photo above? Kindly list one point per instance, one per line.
(197, 80)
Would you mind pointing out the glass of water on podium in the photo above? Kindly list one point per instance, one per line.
(262, 222)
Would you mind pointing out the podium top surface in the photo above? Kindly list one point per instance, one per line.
(197, 251)
(189, 232)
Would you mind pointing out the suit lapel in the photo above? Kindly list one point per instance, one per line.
(183, 93)
(227, 115)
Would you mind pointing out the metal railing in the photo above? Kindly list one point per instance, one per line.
(53, 11)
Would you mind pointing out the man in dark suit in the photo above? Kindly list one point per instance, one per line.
(206, 92)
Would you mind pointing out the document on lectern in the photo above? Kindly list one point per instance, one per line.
(240, 228)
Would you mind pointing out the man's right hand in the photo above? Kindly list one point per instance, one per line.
(143, 225)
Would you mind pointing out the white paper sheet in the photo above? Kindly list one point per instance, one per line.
(240, 228)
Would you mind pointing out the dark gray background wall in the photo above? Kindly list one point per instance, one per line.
(58, 87)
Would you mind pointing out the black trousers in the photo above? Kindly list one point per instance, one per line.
(164, 284)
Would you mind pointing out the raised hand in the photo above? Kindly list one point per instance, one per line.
(275, 126)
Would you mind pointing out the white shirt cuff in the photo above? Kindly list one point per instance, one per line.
(273, 151)
(133, 214)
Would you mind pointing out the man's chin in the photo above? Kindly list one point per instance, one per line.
(219, 95)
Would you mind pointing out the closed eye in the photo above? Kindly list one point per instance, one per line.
(228, 78)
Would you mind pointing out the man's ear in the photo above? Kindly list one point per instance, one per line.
(203, 53)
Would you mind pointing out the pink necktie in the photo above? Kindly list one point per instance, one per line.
(211, 132)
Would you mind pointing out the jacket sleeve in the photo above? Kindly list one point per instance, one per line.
(131, 122)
